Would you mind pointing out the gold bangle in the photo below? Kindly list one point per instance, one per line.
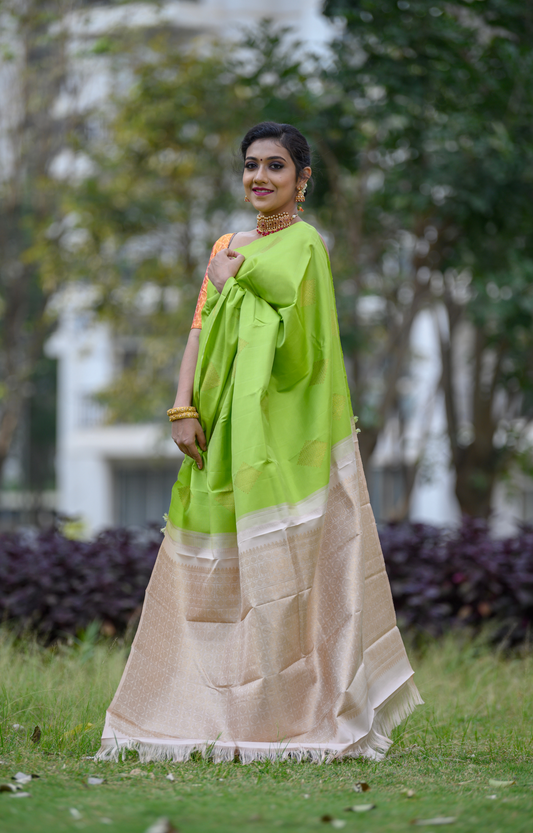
(181, 410)
(175, 417)
(184, 414)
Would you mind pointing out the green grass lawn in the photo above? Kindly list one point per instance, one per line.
(476, 726)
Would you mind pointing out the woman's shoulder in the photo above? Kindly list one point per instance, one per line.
(222, 243)
(314, 236)
(242, 238)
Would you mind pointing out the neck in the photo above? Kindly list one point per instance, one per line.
(289, 208)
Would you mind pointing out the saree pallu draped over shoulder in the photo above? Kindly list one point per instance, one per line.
(268, 627)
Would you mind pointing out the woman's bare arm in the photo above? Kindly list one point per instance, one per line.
(187, 370)
(187, 432)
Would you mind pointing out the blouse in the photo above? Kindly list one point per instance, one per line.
(222, 243)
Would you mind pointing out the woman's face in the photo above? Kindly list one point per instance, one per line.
(269, 177)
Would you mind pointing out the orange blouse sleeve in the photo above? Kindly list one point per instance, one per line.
(222, 243)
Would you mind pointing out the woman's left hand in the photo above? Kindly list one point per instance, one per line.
(186, 433)
(224, 265)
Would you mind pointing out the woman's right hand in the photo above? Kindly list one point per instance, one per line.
(225, 264)
(185, 433)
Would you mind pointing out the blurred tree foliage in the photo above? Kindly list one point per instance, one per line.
(443, 94)
(33, 64)
(166, 186)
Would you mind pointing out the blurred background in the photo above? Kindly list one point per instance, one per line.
(119, 130)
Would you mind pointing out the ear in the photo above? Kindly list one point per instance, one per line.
(305, 174)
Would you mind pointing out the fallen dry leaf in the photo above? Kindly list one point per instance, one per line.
(494, 783)
(21, 795)
(436, 821)
(137, 772)
(361, 787)
(76, 815)
(408, 793)
(22, 778)
(491, 796)
(18, 727)
(360, 808)
(36, 735)
(93, 781)
(327, 819)
(162, 825)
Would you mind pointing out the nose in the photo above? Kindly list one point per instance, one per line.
(260, 174)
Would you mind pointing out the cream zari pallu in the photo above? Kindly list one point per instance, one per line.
(268, 627)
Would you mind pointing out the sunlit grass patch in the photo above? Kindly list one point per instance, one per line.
(476, 726)
(475, 696)
(63, 689)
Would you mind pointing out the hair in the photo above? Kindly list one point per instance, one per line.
(288, 136)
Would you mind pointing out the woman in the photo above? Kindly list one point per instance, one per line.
(268, 627)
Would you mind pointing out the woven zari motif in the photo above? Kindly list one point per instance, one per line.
(185, 495)
(318, 375)
(339, 404)
(246, 478)
(212, 379)
(312, 454)
(308, 293)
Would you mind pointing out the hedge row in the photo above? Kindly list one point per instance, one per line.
(440, 579)
(443, 579)
(58, 586)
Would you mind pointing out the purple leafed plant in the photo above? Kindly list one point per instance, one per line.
(440, 579)
(443, 579)
(57, 586)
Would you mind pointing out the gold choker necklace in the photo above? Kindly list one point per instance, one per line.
(275, 222)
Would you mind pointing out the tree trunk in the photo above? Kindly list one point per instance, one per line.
(476, 465)
(475, 480)
(30, 202)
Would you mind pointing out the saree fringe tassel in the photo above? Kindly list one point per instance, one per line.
(268, 629)
(374, 746)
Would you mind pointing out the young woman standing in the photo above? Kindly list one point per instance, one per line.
(268, 627)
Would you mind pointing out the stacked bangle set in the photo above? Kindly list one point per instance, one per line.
(184, 412)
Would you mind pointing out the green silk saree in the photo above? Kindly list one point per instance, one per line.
(268, 626)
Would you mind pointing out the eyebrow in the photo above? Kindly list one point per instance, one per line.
(269, 158)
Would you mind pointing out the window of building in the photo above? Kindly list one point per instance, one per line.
(386, 486)
(142, 492)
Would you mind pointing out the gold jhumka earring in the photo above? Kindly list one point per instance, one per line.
(300, 196)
